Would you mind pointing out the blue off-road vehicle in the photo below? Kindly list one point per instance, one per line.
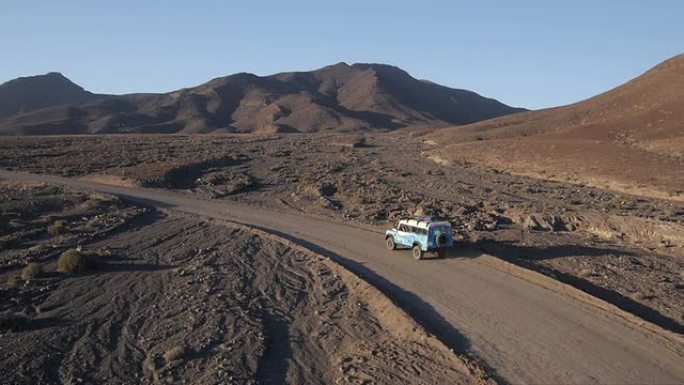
(421, 234)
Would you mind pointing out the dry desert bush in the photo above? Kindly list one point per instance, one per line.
(31, 271)
(72, 261)
(57, 228)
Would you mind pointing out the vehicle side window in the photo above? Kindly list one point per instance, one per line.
(412, 229)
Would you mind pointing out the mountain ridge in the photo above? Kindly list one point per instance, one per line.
(30, 93)
(338, 97)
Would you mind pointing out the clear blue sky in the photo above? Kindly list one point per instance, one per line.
(525, 53)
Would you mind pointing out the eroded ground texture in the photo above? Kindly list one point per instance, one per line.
(177, 299)
(623, 248)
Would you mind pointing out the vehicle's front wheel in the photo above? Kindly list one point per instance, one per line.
(390, 243)
(417, 252)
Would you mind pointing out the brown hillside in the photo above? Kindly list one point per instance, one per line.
(630, 138)
(31, 93)
(335, 98)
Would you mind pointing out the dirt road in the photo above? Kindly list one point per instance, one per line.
(523, 332)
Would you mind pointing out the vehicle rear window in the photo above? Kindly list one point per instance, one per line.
(440, 229)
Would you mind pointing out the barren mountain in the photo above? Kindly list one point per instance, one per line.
(31, 93)
(630, 138)
(340, 97)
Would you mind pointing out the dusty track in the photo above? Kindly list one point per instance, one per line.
(522, 330)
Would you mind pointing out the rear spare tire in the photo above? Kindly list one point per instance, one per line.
(442, 240)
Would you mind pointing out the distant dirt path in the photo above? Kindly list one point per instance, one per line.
(524, 332)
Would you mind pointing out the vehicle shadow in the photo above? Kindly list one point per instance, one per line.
(528, 257)
(274, 363)
(107, 266)
(43, 323)
(424, 313)
(510, 251)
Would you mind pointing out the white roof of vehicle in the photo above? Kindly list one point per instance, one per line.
(424, 222)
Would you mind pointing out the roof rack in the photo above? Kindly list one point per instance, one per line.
(428, 218)
(424, 220)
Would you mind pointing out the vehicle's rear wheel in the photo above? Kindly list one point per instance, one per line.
(417, 252)
(390, 243)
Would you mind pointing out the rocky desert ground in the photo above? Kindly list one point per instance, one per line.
(167, 298)
(574, 212)
(625, 249)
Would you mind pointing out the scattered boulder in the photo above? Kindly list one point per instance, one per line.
(174, 354)
(348, 141)
(425, 208)
(532, 222)
(330, 204)
(538, 222)
(482, 223)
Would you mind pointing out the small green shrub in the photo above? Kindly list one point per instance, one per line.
(57, 228)
(31, 271)
(72, 261)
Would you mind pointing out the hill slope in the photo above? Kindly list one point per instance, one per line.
(334, 98)
(630, 138)
(31, 93)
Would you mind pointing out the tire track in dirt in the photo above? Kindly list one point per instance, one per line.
(186, 300)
